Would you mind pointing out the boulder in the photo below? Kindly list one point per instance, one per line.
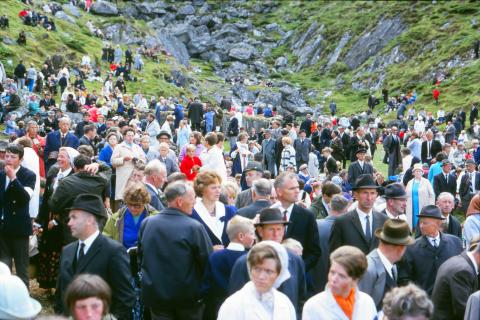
(186, 10)
(65, 17)
(183, 32)
(244, 26)
(242, 52)
(104, 8)
(200, 45)
(268, 96)
(156, 23)
(58, 61)
(8, 40)
(234, 70)
(244, 94)
(156, 8)
(333, 58)
(174, 46)
(371, 42)
(72, 9)
(281, 62)
(210, 21)
(261, 67)
(272, 27)
(121, 33)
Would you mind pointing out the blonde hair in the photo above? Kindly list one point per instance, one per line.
(239, 224)
(204, 179)
(190, 147)
(292, 244)
(230, 188)
(287, 140)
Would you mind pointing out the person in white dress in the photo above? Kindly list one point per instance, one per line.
(259, 299)
(212, 157)
(342, 300)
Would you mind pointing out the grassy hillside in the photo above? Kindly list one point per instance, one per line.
(74, 40)
(449, 24)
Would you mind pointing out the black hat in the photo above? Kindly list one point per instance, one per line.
(164, 133)
(271, 216)
(431, 211)
(253, 166)
(470, 161)
(395, 191)
(395, 231)
(90, 203)
(446, 161)
(361, 150)
(365, 181)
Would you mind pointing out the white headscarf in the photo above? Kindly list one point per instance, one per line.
(72, 153)
(282, 255)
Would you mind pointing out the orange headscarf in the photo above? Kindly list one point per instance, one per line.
(347, 303)
(474, 207)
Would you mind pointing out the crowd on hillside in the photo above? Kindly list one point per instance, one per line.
(132, 206)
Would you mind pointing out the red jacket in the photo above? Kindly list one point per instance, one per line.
(186, 166)
(436, 93)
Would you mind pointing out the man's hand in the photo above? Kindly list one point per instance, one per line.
(218, 247)
(92, 168)
(127, 158)
(10, 171)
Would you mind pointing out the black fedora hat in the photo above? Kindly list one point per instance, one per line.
(431, 211)
(253, 166)
(361, 150)
(164, 133)
(270, 216)
(90, 203)
(395, 191)
(395, 231)
(365, 181)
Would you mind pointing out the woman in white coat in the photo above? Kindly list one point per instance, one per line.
(124, 157)
(267, 264)
(342, 300)
(419, 194)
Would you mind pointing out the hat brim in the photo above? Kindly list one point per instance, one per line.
(96, 214)
(407, 241)
(426, 216)
(272, 222)
(366, 187)
(396, 197)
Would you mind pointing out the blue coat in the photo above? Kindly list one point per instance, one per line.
(14, 203)
(54, 142)
(230, 211)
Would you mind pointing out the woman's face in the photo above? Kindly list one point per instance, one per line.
(192, 139)
(339, 282)
(112, 140)
(88, 309)
(136, 208)
(212, 192)
(418, 174)
(264, 275)
(32, 130)
(63, 160)
(129, 137)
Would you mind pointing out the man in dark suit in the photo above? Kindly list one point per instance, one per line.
(346, 144)
(320, 205)
(195, 114)
(371, 136)
(359, 167)
(95, 254)
(396, 202)
(473, 114)
(356, 228)
(391, 145)
(56, 140)
(88, 138)
(271, 227)
(331, 163)
(155, 177)
(307, 125)
(302, 148)
(261, 192)
(268, 151)
(422, 260)
(47, 102)
(357, 142)
(252, 173)
(232, 130)
(430, 148)
(79, 129)
(456, 280)
(451, 225)
(16, 190)
(445, 181)
(381, 274)
(303, 226)
(173, 254)
(469, 184)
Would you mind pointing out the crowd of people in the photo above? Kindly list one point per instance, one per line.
(137, 207)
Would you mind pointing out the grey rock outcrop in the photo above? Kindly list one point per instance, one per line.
(244, 94)
(122, 33)
(371, 42)
(63, 16)
(333, 58)
(186, 10)
(104, 8)
(72, 9)
(242, 53)
(174, 46)
(308, 46)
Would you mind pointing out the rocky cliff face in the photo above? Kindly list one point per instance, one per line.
(245, 52)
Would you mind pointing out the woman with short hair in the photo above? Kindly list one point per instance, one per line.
(209, 211)
(342, 299)
(267, 264)
(409, 302)
(88, 296)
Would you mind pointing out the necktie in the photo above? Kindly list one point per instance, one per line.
(394, 273)
(285, 215)
(81, 251)
(471, 183)
(446, 178)
(368, 233)
(428, 149)
(434, 241)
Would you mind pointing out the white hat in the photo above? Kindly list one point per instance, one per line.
(4, 270)
(15, 302)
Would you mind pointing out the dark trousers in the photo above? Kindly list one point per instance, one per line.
(180, 313)
(16, 249)
(196, 126)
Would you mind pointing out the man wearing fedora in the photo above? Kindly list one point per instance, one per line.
(268, 151)
(252, 173)
(396, 201)
(422, 260)
(445, 181)
(381, 274)
(451, 225)
(469, 184)
(271, 226)
(359, 167)
(356, 227)
(95, 254)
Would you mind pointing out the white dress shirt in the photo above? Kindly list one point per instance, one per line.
(437, 240)
(386, 263)
(471, 257)
(234, 246)
(363, 220)
(282, 209)
(88, 242)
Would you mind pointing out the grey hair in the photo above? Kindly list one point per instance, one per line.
(282, 177)
(176, 189)
(338, 203)
(65, 119)
(31, 123)
(446, 195)
(407, 301)
(262, 187)
(154, 166)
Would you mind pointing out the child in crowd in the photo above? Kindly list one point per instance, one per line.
(190, 164)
